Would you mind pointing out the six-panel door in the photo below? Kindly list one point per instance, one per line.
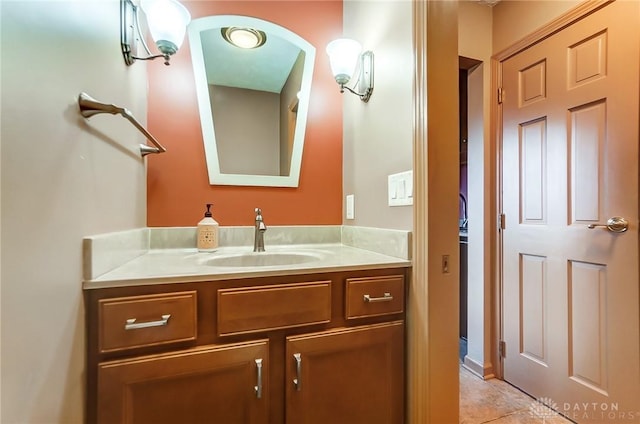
(570, 162)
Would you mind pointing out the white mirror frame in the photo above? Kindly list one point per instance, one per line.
(204, 106)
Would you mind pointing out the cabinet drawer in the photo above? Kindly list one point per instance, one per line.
(137, 321)
(253, 309)
(372, 296)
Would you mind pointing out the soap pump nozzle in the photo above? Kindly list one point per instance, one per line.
(208, 212)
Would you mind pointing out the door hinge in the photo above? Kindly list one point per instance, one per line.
(502, 221)
(502, 349)
(500, 95)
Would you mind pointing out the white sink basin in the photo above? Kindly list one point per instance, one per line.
(261, 259)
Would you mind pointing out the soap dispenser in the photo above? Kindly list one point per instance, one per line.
(207, 232)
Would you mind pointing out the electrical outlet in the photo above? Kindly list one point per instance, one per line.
(445, 264)
(350, 207)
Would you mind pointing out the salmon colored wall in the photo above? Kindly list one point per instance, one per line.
(177, 181)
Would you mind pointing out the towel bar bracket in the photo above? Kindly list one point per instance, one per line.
(90, 106)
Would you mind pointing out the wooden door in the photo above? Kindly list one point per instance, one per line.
(570, 160)
(349, 376)
(225, 384)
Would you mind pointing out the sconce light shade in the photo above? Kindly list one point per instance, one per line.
(167, 21)
(344, 56)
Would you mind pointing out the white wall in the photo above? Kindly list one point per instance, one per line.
(515, 19)
(62, 179)
(377, 136)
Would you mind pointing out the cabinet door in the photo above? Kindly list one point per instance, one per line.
(350, 376)
(218, 384)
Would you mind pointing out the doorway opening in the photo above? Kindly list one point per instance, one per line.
(467, 110)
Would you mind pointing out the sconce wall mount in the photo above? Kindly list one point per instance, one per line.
(346, 57)
(167, 21)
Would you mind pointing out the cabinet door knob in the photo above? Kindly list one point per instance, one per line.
(298, 380)
(258, 386)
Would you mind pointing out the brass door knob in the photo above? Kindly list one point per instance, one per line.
(616, 224)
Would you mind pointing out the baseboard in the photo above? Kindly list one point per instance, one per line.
(483, 371)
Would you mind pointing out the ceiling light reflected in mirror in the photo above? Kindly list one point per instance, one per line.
(244, 38)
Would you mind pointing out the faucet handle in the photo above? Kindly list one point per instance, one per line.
(258, 211)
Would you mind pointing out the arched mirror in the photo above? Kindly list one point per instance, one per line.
(253, 101)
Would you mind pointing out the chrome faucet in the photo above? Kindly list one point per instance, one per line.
(260, 228)
(465, 219)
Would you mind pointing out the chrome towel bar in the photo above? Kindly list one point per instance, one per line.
(90, 106)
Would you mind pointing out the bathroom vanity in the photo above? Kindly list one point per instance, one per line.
(319, 342)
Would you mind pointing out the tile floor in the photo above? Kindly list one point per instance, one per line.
(497, 402)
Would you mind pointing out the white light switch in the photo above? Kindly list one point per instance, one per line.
(393, 189)
(350, 207)
(402, 192)
(400, 189)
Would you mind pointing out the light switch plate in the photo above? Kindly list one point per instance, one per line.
(400, 189)
(350, 207)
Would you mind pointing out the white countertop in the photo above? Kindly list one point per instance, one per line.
(188, 265)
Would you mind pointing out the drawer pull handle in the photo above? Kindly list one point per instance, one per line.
(386, 298)
(258, 386)
(133, 325)
(298, 380)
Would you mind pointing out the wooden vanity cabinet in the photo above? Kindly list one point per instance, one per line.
(316, 348)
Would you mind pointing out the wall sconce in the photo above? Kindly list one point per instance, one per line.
(167, 21)
(345, 55)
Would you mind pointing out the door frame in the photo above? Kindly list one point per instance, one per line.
(571, 16)
(432, 370)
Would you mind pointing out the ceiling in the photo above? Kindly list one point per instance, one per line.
(265, 68)
(489, 3)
